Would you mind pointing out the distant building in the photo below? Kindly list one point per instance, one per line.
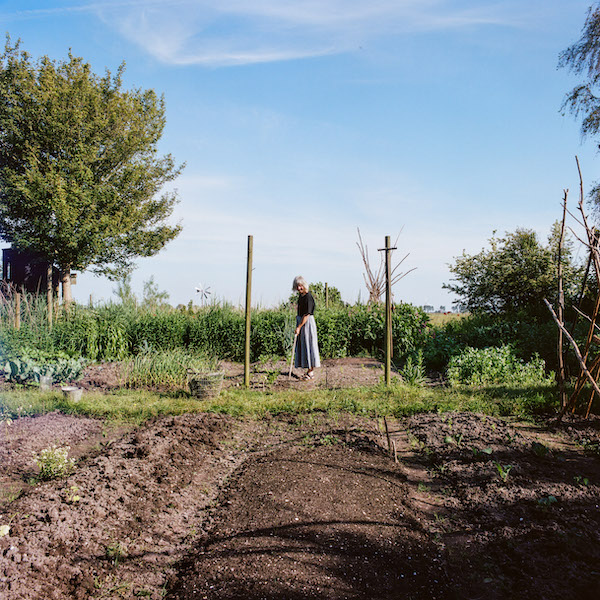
(27, 270)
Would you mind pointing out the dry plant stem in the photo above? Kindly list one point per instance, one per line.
(561, 306)
(575, 347)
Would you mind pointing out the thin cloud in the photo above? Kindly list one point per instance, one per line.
(236, 32)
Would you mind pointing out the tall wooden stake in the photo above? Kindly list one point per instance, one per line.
(388, 309)
(248, 310)
(49, 294)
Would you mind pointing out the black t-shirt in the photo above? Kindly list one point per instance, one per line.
(306, 305)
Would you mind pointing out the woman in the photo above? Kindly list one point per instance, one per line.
(307, 349)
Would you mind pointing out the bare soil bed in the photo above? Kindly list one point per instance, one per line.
(308, 506)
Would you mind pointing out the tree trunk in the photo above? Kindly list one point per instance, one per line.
(65, 279)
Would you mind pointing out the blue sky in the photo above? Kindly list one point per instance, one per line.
(299, 121)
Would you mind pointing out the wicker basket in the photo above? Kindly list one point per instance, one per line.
(205, 385)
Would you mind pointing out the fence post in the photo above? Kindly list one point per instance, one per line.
(248, 311)
(388, 312)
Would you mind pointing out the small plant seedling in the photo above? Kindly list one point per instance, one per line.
(580, 480)
(116, 551)
(547, 501)
(539, 449)
(503, 470)
(71, 495)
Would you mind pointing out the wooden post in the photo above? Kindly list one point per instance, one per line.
(388, 309)
(248, 311)
(326, 296)
(49, 294)
(18, 310)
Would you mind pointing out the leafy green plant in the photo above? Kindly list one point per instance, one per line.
(484, 366)
(503, 470)
(30, 365)
(54, 462)
(413, 371)
(547, 501)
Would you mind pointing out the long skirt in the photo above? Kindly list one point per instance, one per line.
(307, 348)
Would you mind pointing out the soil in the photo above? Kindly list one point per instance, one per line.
(314, 506)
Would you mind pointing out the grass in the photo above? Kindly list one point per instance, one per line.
(137, 406)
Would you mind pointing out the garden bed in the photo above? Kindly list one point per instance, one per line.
(305, 506)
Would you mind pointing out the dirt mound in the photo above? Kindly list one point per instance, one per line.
(205, 506)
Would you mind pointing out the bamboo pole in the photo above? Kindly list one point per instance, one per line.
(248, 311)
(561, 309)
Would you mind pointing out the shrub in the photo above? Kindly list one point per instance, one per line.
(54, 462)
(482, 366)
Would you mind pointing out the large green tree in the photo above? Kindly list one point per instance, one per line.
(80, 176)
(583, 59)
(514, 274)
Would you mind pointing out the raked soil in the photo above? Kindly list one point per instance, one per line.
(303, 507)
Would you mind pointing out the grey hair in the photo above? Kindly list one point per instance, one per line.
(299, 280)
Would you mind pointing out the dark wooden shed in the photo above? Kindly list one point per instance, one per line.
(27, 270)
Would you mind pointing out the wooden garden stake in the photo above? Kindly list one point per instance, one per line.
(248, 311)
(49, 294)
(388, 309)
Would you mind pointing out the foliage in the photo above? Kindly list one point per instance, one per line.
(79, 171)
(413, 371)
(492, 365)
(583, 58)
(514, 275)
(54, 462)
(29, 366)
(317, 289)
(164, 370)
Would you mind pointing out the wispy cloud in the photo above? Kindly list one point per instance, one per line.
(237, 32)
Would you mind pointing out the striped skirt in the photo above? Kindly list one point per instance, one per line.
(307, 348)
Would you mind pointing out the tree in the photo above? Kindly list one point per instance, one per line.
(583, 58)
(515, 274)
(80, 175)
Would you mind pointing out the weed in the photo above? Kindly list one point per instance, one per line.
(423, 488)
(547, 501)
(71, 496)
(580, 480)
(539, 449)
(54, 462)
(115, 552)
(503, 470)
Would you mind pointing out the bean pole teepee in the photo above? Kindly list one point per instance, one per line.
(587, 358)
